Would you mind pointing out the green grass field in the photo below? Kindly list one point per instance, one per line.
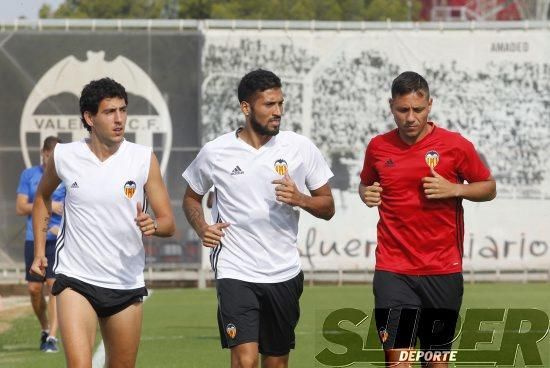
(180, 328)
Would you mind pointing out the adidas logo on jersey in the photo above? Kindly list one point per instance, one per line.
(389, 163)
(74, 185)
(237, 171)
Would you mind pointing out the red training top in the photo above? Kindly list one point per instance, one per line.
(416, 235)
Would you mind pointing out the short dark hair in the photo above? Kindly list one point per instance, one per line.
(94, 92)
(50, 142)
(409, 82)
(257, 80)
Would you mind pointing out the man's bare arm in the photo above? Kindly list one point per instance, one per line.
(41, 213)
(210, 235)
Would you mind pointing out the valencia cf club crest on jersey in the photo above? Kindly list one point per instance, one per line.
(129, 189)
(432, 159)
(231, 330)
(281, 167)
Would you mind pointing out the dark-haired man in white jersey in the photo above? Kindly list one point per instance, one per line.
(261, 176)
(99, 251)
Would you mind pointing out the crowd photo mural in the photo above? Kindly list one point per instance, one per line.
(491, 86)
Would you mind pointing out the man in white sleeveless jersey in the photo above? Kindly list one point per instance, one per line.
(261, 177)
(99, 251)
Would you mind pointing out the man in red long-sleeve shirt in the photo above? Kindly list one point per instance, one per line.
(415, 175)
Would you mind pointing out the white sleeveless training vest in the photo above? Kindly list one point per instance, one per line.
(99, 242)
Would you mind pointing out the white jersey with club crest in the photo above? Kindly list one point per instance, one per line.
(99, 242)
(260, 243)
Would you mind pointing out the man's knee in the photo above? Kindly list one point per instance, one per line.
(244, 361)
(274, 361)
(34, 288)
(79, 361)
(244, 356)
(120, 362)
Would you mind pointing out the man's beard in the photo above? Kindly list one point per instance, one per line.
(262, 130)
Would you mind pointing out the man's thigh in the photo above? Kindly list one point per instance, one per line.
(78, 322)
(397, 309)
(238, 312)
(279, 315)
(121, 335)
(441, 302)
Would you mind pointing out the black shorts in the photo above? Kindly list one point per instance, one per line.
(259, 312)
(407, 307)
(106, 302)
(29, 258)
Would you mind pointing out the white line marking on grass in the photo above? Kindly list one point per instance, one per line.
(98, 360)
(208, 337)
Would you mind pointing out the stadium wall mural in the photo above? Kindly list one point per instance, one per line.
(42, 76)
(491, 86)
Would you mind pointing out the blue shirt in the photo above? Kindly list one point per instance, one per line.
(27, 186)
